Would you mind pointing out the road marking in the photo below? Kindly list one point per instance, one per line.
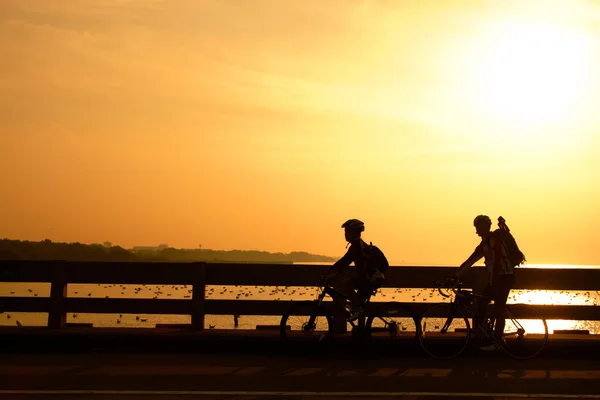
(427, 372)
(303, 371)
(267, 393)
(523, 374)
(385, 372)
(249, 371)
(580, 374)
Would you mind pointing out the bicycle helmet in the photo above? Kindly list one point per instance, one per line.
(482, 219)
(354, 224)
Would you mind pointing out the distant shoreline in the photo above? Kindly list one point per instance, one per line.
(48, 250)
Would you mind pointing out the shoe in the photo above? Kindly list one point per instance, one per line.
(493, 346)
(355, 313)
(490, 347)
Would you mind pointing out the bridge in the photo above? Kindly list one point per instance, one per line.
(185, 361)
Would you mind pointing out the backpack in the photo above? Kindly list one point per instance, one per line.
(515, 255)
(377, 259)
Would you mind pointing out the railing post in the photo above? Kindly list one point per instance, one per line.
(198, 295)
(57, 316)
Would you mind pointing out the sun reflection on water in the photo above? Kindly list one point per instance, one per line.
(562, 297)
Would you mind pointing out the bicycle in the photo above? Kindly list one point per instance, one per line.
(445, 330)
(313, 320)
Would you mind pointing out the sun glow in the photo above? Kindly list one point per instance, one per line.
(530, 73)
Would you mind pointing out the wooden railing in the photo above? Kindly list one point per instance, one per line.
(199, 275)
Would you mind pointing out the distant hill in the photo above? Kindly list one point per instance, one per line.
(48, 250)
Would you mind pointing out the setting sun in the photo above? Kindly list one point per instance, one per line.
(531, 73)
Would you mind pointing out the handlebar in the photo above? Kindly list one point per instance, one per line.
(452, 284)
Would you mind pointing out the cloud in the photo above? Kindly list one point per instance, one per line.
(219, 51)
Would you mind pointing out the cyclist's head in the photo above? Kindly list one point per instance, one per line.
(482, 223)
(352, 229)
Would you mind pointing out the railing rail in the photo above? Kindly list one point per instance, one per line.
(200, 274)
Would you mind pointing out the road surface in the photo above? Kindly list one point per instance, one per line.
(253, 376)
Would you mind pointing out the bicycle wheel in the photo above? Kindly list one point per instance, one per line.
(525, 331)
(390, 321)
(296, 324)
(444, 331)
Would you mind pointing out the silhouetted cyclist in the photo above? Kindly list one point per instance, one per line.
(366, 277)
(501, 279)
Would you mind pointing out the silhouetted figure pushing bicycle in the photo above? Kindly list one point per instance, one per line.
(501, 274)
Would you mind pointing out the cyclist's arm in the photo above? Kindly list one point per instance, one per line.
(473, 258)
(343, 262)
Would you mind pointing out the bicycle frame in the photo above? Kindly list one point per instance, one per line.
(318, 302)
(450, 318)
(515, 341)
(467, 310)
(328, 290)
(520, 331)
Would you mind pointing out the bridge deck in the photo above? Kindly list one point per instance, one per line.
(83, 339)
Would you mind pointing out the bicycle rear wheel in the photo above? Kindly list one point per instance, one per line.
(444, 331)
(525, 333)
(297, 324)
(390, 321)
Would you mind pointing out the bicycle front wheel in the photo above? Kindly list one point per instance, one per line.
(525, 331)
(391, 321)
(306, 322)
(444, 331)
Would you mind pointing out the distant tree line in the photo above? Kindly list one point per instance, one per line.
(48, 250)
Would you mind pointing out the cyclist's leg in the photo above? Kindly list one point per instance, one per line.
(479, 315)
(361, 286)
(365, 290)
(502, 287)
(342, 283)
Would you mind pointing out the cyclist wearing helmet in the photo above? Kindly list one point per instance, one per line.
(364, 278)
(501, 277)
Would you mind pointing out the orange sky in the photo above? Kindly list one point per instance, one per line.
(266, 124)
